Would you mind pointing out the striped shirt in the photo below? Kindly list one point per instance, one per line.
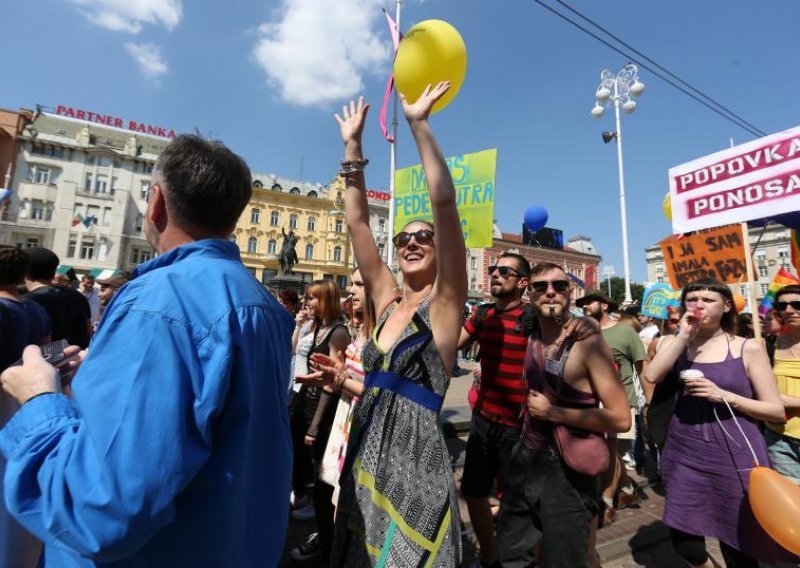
(502, 356)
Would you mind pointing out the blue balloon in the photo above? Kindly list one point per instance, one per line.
(535, 217)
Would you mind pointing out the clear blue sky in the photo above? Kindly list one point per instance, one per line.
(265, 77)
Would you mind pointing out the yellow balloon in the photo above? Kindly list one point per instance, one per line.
(666, 205)
(430, 52)
(775, 501)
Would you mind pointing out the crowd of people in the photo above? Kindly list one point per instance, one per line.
(205, 412)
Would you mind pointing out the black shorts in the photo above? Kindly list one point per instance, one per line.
(488, 454)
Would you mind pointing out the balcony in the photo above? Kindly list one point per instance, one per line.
(42, 192)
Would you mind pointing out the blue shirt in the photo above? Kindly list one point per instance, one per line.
(175, 450)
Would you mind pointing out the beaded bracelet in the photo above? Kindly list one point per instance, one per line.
(352, 166)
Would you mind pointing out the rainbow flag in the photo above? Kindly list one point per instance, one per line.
(795, 242)
(782, 278)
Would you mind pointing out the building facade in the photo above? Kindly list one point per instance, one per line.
(315, 213)
(771, 248)
(80, 189)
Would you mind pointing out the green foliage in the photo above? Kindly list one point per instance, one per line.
(618, 290)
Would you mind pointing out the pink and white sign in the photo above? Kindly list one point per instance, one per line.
(747, 182)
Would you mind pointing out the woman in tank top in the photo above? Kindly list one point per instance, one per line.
(706, 461)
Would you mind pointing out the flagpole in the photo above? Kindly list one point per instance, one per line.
(393, 159)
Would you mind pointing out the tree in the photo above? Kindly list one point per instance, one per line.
(618, 290)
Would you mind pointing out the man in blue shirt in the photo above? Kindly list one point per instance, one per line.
(175, 448)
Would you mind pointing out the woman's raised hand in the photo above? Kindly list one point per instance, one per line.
(421, 109)
(352, 121)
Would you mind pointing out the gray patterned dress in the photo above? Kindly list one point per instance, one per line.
(397, 505)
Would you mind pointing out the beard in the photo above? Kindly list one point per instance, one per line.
(498, 292)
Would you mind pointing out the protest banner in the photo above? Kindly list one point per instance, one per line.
(715, 253)
(474, 179)
(782, 278)
(756, 180)
(657, 298)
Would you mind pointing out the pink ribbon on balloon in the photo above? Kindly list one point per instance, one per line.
(396, 37)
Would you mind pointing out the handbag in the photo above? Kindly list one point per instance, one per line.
(584, 451)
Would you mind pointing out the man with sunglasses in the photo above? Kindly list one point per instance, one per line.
(502, 336)
(629, 355)
(544, 499)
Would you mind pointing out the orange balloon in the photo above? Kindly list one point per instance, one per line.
(775, 501)
(739, 302)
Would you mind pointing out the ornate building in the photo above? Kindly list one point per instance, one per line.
(79, 184)
(316, 215)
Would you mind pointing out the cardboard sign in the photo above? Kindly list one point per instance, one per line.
(474, 180)
(716, 253)
(657, 298)
(756, 180)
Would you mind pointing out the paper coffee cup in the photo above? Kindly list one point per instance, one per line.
(687, 374)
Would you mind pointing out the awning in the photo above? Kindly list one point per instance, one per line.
(103, 273)
(63, 269)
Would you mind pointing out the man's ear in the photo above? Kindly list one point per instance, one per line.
(523, 283)
(157, 209)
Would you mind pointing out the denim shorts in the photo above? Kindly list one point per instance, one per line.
(545, 500)
(784, 452)
(488, 454)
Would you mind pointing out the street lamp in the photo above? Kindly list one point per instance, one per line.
(622, 89)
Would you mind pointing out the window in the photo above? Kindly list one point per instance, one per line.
(252, 244)
(764, 288)
(103, 249)
(147, 169)
(783, 252)
(273, 218)
(144, 189)
(87, 184)
(763, 271)
(312, 193)
(294, 191)
(659, 268)
(139, 255)
(337, 254)
(37, 209)
(38, 149)
(72, 245)
(660, 279)
(101, 184)
(382, 225)
(473, 263)
(255, 215)
(743, 290)
(48, 210)
(41, 175)
(381, 249)
(106, 216)
(90, 159)
(341, 282)
(293, 221)
(312, 223)
(309, 252)
(113, 187)
(473, 282)
(87, 248)
(93, 211)
(761, 254)
(272, 246)
(138, 223)
(104, 161)
(338, 226)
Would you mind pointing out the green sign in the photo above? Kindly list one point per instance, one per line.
(473, 177)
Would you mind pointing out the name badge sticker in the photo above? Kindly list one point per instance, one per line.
(553, 367)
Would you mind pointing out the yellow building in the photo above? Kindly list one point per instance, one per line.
(316, 215)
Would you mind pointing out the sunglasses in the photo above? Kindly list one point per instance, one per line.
(559, 286)
(674, 321)
(781, 306)
(504, 271)
(422, 237)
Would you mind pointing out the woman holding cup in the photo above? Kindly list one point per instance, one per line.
(713, 436)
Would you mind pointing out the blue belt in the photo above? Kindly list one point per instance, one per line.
(405, 388)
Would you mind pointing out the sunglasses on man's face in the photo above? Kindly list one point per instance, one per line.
(559, 286)
(422, 237)
(781, 306)
(504, 271)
